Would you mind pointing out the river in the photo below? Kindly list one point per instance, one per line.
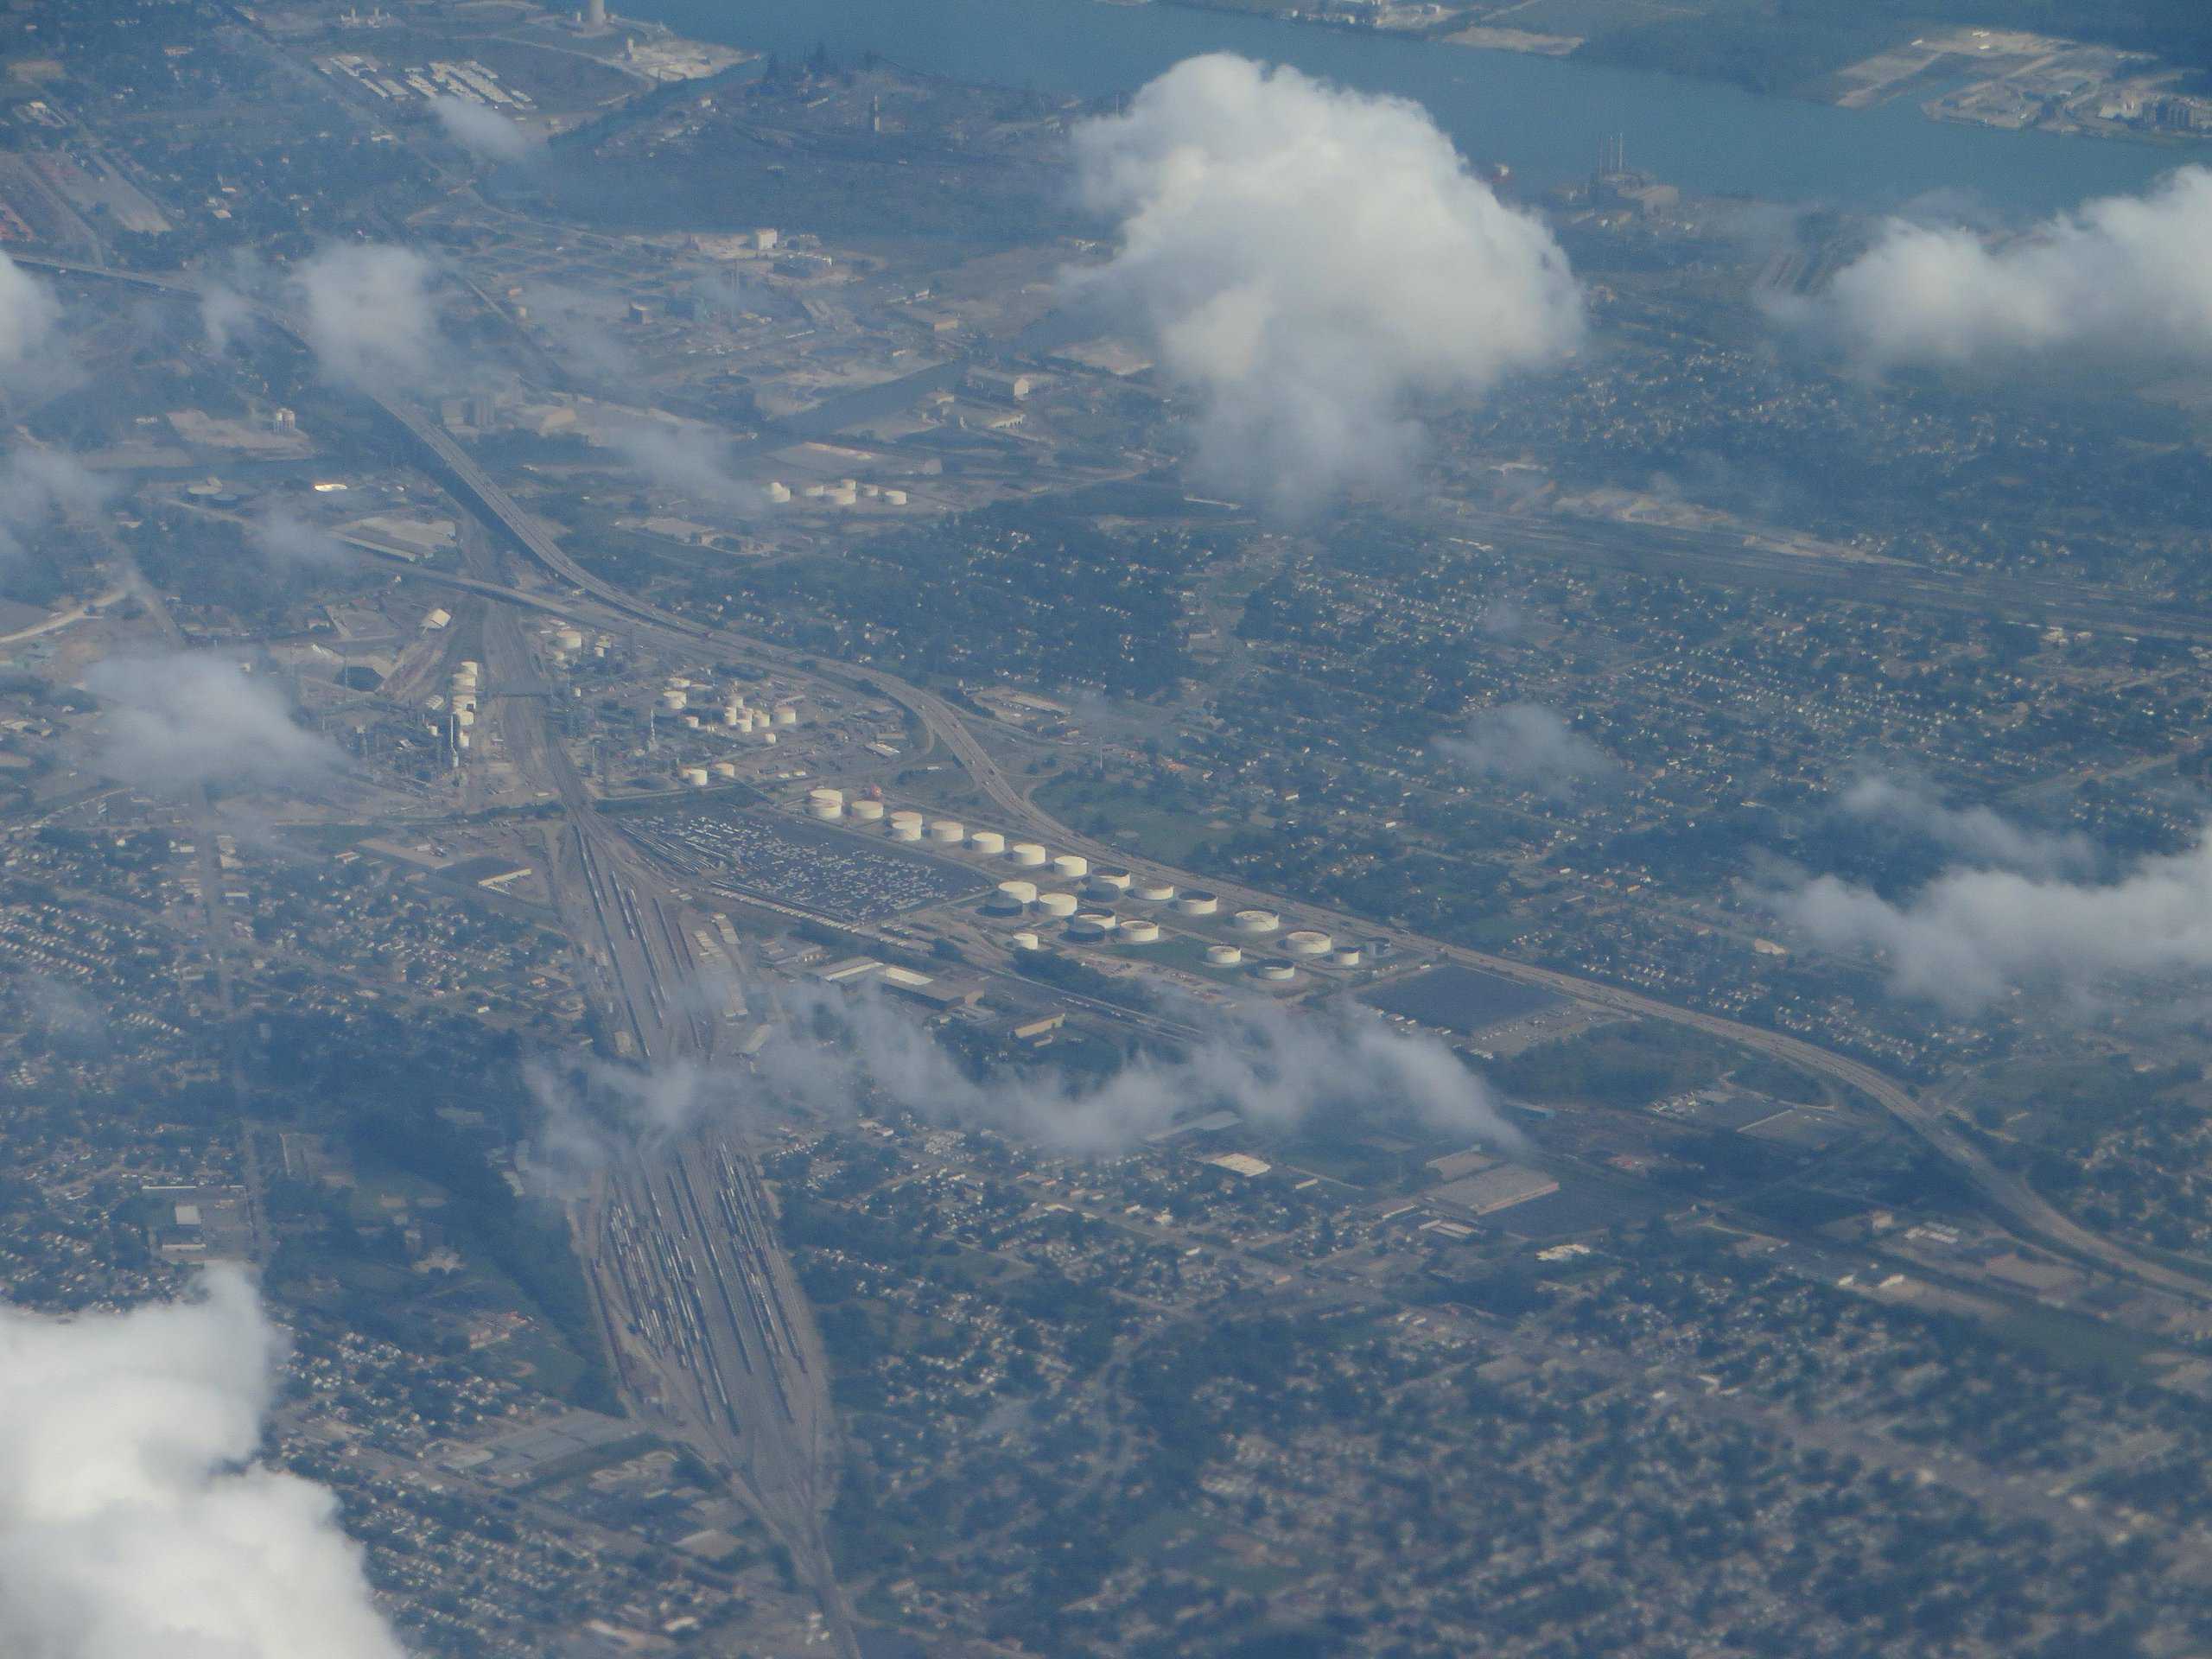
(1543, 116)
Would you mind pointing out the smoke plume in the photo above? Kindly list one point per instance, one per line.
(183, 720)
(687, 460)
(1313, 265)
(133, 1519)
(1533, 747)
(482, 131)
(2125, 277)
(1971, 935)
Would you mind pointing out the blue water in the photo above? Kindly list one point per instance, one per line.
(1542, 117)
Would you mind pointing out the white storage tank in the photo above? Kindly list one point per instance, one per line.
(907, 815)
(894, 498)
(569, 638)
(1308, 942)
(725, 769)
(692, 721)
(673, 701)
(695, 776)
(1057, 904)
(1027, 853)
(1255, 921)
(949, 832)
(989, 842)
(766, 736)
(731, 714)
(1223, 956)
(786, 715)
(1277, 973)
(1013, 897)
(905, 829)
(1197, 902)
(1027, 942)
(868, 812)
(1153, 892)
(825, 797)
(1071, 867)
(1115, 882)
(1348, 957)
(1140, 932)
(826, 812)
(1092, 924)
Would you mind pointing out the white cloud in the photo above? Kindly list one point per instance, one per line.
(30, 322)
(482, 131)
(1526, 744)
(368, 312)
(2127, 276)
(184, 719)
(1978, 834)
(285, 538)
(1315, 265)
(1971, 935)
(1274, 1068)
(34, 485)
(133, 1520)
(687, 459)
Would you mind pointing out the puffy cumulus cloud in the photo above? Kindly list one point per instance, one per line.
(36, 485)
(2125, 277)
(368, 312)
(132, 1519)
(1315, 265)
(183, 720)
(1971, 935)
(1978, 834)
(1272, 1067)
(30, 322)
(482, 131)
(1526, 744)
(591, 1111)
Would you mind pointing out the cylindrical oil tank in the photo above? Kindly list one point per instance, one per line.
(1197, 903)
(989, 842)
(1013, 897)
(1056, 904)
(1027, 942)
(786, 715)
(818, 801)
(1308, 942)
(909, 817)
(827, 812)
(1153, 892)
(950, 832)
(1223, 956)
(1255, 921)
(1118, 880)
(1093, 923)
(868, 812)
(894, 498)
(731, 714)
(1277, 973)
(679, 682)
(766, 736)
(725, 768)
(569, 638)
(1027, 853)
(695, 776)
(1071, 867)
(691, 721)
(826, 793)
(1348, 957)
(673, 699)
(1140, 932)
(905, 829)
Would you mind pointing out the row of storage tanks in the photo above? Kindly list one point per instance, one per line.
(1018, 895)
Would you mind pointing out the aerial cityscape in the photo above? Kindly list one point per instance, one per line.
(1124, 828)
